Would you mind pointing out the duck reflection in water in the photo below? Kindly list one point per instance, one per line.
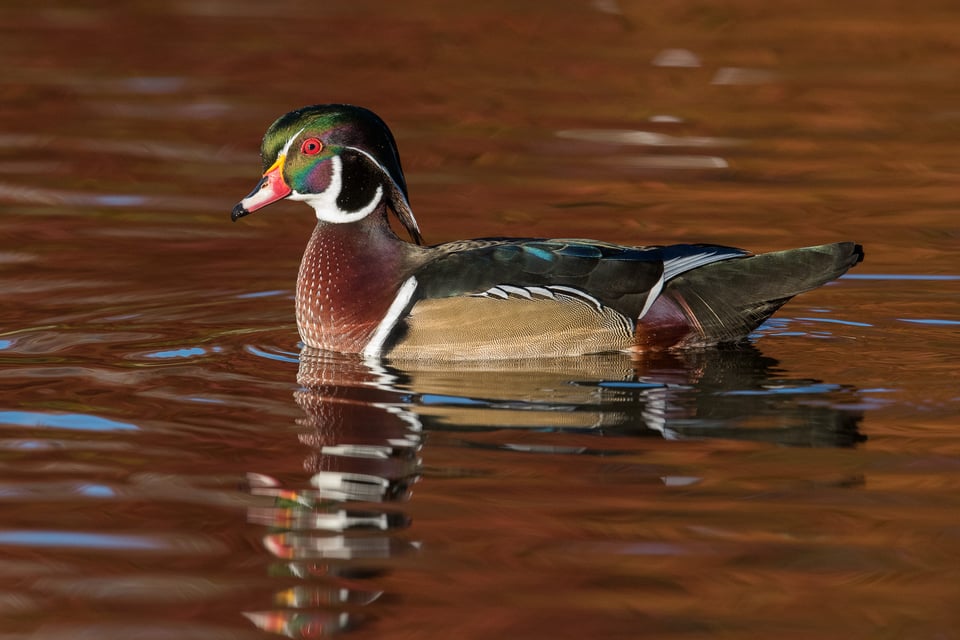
(733, 393)
(364, 422)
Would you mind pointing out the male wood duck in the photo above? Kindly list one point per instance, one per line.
(362, 289)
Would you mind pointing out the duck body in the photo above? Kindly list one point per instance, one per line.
(362, 289)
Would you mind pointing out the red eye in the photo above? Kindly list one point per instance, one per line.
(311, 146)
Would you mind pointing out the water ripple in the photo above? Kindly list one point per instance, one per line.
(141, 148)
(23, 194)
(849, 323)
(184, 352)
(75, 539)
(181, 544)
(262, 294)
(931, 321)
(73, 421)
(645, 138)
(271, 353)
(899, 276)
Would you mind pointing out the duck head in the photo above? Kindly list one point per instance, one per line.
(340, 159)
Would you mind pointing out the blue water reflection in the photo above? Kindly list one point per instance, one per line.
(186, 352)
(937, 322)
(75, 539)
(930, 277)
(76, 421)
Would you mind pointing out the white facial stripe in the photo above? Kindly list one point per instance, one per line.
(408, 215)
(286, 147)
(372, 159)
(381, 167)
(325, 204)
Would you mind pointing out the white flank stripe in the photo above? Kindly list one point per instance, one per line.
(517, 291)
(397, 307)
(652, 295)
(541, 291)
(494, 292)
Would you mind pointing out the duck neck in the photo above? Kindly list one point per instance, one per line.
(349, 275)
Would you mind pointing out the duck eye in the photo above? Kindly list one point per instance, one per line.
(311, 146)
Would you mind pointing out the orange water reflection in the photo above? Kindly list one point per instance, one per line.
(804, 488)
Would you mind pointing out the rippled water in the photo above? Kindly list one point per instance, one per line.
(174, 467)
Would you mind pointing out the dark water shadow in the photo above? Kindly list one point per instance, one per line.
(364, 424)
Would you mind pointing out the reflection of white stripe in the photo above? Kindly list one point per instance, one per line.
(397, 307)
(325, 204)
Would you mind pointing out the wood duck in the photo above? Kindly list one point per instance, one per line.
(362, 289)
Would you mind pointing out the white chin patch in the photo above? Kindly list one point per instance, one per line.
(325, 204)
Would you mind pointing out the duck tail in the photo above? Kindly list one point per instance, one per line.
(725, 301)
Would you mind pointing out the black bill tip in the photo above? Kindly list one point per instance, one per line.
(238, 212)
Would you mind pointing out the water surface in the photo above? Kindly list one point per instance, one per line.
(174, 467)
